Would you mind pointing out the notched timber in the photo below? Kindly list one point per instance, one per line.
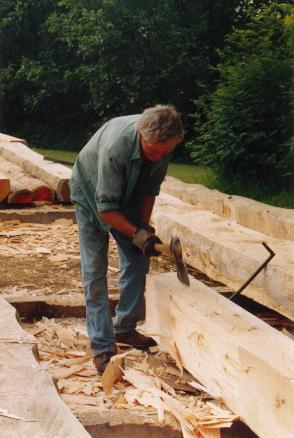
(231, 352)
(229, 253)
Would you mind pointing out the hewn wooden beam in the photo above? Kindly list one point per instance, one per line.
(27, 391)
(229, 253)
(267, 219)
(238, 357)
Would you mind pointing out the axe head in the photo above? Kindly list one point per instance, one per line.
(176, 252)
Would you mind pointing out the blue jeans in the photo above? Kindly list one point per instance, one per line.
(94, 262)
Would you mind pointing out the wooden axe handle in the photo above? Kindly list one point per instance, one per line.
(163, 249)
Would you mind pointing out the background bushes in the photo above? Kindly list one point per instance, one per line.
(66, 67)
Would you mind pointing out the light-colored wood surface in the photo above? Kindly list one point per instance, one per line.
(26, 390)
(4, 186)
(54, 175)
(228, 252)
(238, 357)
(267, 219)
(5, 137)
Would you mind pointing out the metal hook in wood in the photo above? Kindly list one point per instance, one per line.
(261, 267)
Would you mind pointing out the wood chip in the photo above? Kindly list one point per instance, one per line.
(80, 399)
(77, 360)
(59, 258)
(43, 250)
(63, 221)
(62, 373)
(113, 269)
(113, 371)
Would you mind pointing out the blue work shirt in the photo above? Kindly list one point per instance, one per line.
(108, 168)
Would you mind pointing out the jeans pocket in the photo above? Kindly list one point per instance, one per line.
(76, 193)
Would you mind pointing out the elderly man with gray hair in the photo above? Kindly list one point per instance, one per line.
(115, 180)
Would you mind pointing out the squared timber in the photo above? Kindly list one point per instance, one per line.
(238, 357)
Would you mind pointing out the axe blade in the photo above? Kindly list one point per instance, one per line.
(176, 251)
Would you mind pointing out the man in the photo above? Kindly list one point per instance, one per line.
(114, 183)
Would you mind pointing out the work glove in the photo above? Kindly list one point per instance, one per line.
(145, 241)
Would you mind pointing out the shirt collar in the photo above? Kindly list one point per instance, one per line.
(136, 152)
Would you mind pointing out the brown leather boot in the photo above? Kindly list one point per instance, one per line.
(102, 360)
(135, 339)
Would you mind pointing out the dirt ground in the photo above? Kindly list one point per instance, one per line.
(44, 259)
(38, 259)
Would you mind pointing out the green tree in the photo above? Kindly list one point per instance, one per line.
(68, 66)
(133, 54)
(38, 99)
(245, 127)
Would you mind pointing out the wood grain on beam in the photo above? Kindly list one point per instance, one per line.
(267, 219)
(27, 391)
(54, 175)
(229, 253)
(238, 357)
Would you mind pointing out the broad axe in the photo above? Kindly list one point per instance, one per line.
(174, 250)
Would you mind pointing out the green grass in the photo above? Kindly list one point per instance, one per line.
(66, 156)
(193, 174)
(268, 195)
(206, 176)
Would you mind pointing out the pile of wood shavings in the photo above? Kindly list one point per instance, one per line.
(148, 382)
(40, 239)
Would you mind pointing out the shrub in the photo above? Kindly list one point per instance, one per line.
(246, 131)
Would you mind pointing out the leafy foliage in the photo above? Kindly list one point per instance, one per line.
(67, 66)
(245, 126)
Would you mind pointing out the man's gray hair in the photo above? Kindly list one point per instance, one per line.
(161, 123)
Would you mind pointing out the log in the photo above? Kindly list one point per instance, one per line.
(229, 253)
(22, 182)
(5, 137)
(236, 356)
(19, 196)
(4, 186)
(54, 175)
(272, 221)
(27, 391)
